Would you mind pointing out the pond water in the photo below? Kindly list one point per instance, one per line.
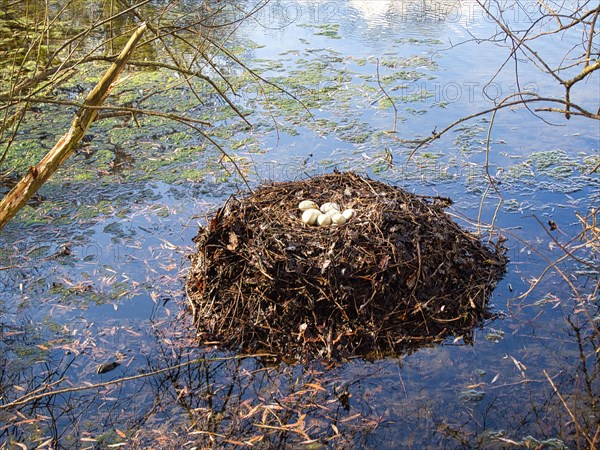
(95, 273)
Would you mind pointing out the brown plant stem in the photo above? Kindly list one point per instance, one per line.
(37, 175)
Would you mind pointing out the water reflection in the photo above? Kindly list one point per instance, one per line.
(131, 241)
(229, 401)
(375, 20)
(389, 12)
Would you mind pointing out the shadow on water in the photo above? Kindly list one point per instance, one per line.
(93, 275)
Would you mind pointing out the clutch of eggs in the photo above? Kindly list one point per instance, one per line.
(328, 214)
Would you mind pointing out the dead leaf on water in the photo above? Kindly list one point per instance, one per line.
(315, 386)
(107, 367)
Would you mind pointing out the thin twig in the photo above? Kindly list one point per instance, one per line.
(33, 396)
(388, 97)
(573, 417)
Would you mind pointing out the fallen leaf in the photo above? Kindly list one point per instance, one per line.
(233, 241)
(107, 367)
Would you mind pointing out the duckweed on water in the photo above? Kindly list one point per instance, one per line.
(469, 137)
(494, 335)
(546, 159)
(379, 166)
(89, 211)
(419, 41)
(359, 61)
(330, 30)
(472, 395)
(403, 75)
(394, 62)
(354, 131)
(415, 112)
(553, 171)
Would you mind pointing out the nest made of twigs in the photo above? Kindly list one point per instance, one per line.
(401, 272)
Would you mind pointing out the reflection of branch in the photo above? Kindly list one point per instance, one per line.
(491, 182)
(535, 98)
(551, 265)
(580, 431)
(521, 39)
(86, 32)
(48, 70)
(388, 97)
(568, 253)
(587, 377)
(564, 248)
(32, 396)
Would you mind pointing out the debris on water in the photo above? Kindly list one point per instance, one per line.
(400, 274)
(472, 395)
(528, 442)
(494, 335)
(107, 367)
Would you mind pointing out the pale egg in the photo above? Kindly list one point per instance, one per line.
(307, 204)
(349, 213)
(338, 219)
(329, 206)
(324, 220)
(310, 216)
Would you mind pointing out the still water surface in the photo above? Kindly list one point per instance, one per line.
(119, 295)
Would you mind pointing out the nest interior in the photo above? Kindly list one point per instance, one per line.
(400, 273)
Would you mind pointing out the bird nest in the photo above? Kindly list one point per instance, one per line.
(400, 273)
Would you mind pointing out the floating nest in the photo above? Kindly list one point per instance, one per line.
(400, 273)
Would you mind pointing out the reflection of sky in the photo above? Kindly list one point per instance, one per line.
(369, 20)
(373, 27)
(392, 13)
(362, 22)
(469, 78)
